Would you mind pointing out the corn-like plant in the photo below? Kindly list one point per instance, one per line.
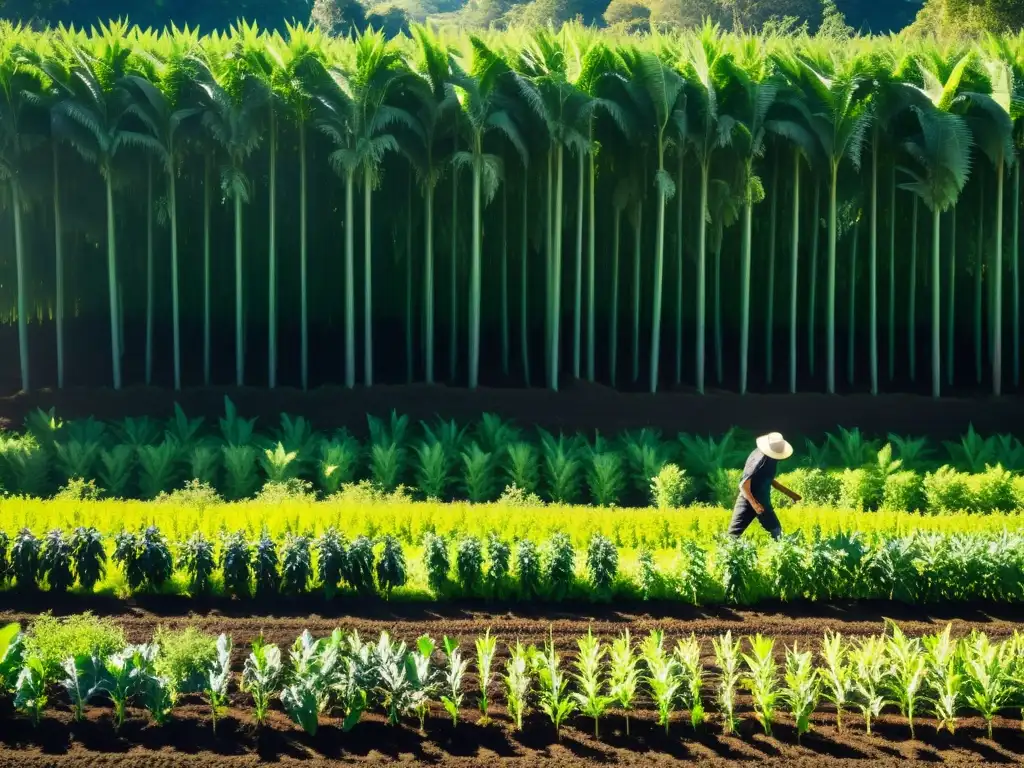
(421, 677)
(453, 677)
(296, 435)
(802, 688)
(30, 690)
(727, 657)
(55, 562)
(76, 458)
(592, 698)
(278, 464)
(398, 691)
(907, 672)
(115, 470)
(645, 454)
(559, 565)
(198, 561)
(837, 675)
(517, 682)
(623, 674)
(944, 677)
(478, 475)
(339, 461)
(989, 685)
(871, 670)
(203, 463)
(522, 467)
(763, 681)
(662, 678)
(262, 676)
(606, 478)
(554, 699)
(241, 479)
(218, 679)
(235, 429)
(433, 470)
(561, 467)
(687, 653)
(486, 647)
(387, 462)
(158, 468)
(391, 568)
(602, 564)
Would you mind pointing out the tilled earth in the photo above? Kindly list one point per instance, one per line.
(190, 739)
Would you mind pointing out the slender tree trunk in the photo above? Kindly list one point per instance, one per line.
(852, 330)
(149, 272)
(239, 321)
(769, 331)
(58, 234)
(637, 255)
(748, 216)
(453, 328)
(1015, 273)
(504, 281)
(996, 329)
(303, 258)
(474, 273)
(717, 295)
(951, 319)
(794, 273)
(272, 259)
(556, 286)
(577, 315)
(979, 262)
(892, 272)
(831, 310)
(350, 282)
(524, 330)
(367, 277)
(659, 274)
(549, 260)
(207, 194)
(428, 281)
(115, 337)
(912, 302)
(591, 267)
(679, 272)
(409, 312)
(873, 270)
(936, 303)
(19, 255)
(613, 320)
(812, 314)
(175, 289)
(702, 244)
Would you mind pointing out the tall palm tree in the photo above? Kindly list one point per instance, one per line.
(709, 129)
(940, 163)
(231, 102)
(91, 120)
(435, 112)
(20, 79)
(160, 100)
(357, 115)
(839, 118)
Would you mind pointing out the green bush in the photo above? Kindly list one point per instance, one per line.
(860, 489)
(670, 487)
(903, 492)
(723, 486)
(947, 490)
(817, 487)
(993, 490)
(52, 640)
(184, 657)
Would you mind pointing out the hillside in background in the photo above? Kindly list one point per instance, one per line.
(864, 15)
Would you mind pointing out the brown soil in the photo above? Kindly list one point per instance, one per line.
(578, 407)
(189, 739)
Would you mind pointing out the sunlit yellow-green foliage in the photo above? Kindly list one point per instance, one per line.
(410, 520)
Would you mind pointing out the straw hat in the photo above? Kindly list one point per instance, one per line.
(774, 446)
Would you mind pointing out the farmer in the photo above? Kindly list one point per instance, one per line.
(755, 498)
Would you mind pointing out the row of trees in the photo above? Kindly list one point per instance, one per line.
(672, 133)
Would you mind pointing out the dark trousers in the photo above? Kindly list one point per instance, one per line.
(743, 515)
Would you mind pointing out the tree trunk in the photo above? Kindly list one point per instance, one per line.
(206, 269)
(59, 252)
(453, 327)
(409, 313)
(428, 281)
(272, 260)
(149, 272)
(996, 328)
(659, 274)
(769, 331)
(873, 270)
(524, 330)
(912, 301)
(951, 319)
(504, 281)
(115, 338)
(748, 216)
(577, 313)
(239, 322)
(549, 260)
(979, 261)
(830, 320)
(812, 314)
(303, 260)
(679, 273)
(1015, 273)
(702, 242)
(717, 292)
(175, 289)
(350, 281)
(892, 273)
(794, 273)
(637, 255)
(613, 320)
(936, 302)
(556, 286)
(367, 277)
(19, 255)
(591, 266)
(475, 271)
(852, 330)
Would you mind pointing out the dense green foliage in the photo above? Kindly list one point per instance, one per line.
(581, 203)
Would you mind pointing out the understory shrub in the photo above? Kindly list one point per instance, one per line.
(993, 490)
(817, 487)
(947, 490)
(861, 489)
(52, 640)
(184, 658)
(723, 486)
(903, 492)
(670, 487)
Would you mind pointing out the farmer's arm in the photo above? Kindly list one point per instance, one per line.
(783, 489)
(749, 496)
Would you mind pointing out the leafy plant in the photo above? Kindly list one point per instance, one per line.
(436, 562)
(972, 452)
(517, 682)
(124, 675)
(469, 564)
(358, 571)
(339, 462)
(198, 561)
(433, 470)
(278, 464)
(184, 658)
(25, 554)
(528, 567)
(559, 566)
(624, 675)
(662, 676)
(554, 699)
(236, 564)
(79, 678)
(265, 574)
(218, 679)
(296, 565)
(499, 554)
(669, 487)
(330, 560)
(914, 452)
(55, 640)
(522, 467)
(871, 669)
(907, 672)
(158, 470)
(262, 676)
(646, 455)
(240, 477)
(30, 691)
(852, 448)
(145, 557)
(837, 675)
(606, 478)
(727, 657)
(486, 647)
(453, 679)
(989, 683)
(602, 564)
(88, 556)
(561, 467)
(479, 478)
(945, 678)
(391, 568)
(115, 472)
(801, 691)
(55, 562)
(592, 700)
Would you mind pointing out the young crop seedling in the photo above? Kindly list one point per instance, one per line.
(624, 674)
(554, 699)
(219, 679)
(802, 688)
(517, 682)
(262, 676)
(486, 647)
(944, 678)
(421, 678)
(763, 681)
(837, 674)
(907, 672)
(989, 685)
(453, 676)
(871, 669)
(687, 653)
(591, 699)
(727, 657)
(662, 676)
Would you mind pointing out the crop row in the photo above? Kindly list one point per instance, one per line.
(342, 675)
(916, 568)
(140, 457)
